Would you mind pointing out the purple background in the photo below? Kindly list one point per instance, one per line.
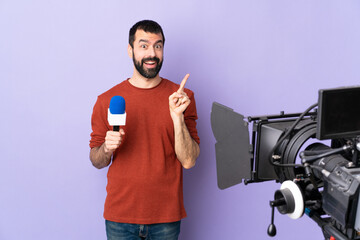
(257, 57)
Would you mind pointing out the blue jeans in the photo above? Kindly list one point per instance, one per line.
(126, 231)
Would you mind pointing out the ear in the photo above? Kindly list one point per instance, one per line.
(130, 51)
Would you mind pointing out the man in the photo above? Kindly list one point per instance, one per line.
(144, 191)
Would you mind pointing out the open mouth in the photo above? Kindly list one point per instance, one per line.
(150, 63)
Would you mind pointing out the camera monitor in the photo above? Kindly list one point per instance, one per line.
(338, 113)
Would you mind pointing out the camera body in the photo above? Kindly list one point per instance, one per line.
(314, 155)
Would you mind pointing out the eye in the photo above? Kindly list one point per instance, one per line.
(143, 46)
(158, 46)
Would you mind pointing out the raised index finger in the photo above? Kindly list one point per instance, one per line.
(182, 84)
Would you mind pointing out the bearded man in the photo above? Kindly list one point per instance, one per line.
(146, 156)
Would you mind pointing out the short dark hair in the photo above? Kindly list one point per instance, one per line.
(147, 26)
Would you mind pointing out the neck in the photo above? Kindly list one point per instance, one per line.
(140, 81)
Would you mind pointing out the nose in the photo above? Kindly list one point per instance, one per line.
(151, 51)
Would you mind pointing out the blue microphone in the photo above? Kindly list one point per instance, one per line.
(116, 112)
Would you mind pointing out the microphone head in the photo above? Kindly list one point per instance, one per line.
(117, 105)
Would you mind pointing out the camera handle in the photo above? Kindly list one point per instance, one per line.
(285, 203)
(272, 228)
(288, 200)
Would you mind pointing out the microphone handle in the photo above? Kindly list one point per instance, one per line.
(116, 128)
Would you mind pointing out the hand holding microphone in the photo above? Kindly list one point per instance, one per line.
(113, 140)
(116, 118)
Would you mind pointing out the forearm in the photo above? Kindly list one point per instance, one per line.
(186, 149)
(99, 157)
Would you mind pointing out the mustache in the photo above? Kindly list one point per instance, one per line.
(157, 60)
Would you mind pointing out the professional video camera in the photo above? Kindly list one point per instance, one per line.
(320, 179)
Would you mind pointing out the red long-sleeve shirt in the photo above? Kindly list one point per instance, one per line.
(145, 177)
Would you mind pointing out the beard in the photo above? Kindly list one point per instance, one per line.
(148, 73)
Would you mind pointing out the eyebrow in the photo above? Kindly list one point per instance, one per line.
(147, 41)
